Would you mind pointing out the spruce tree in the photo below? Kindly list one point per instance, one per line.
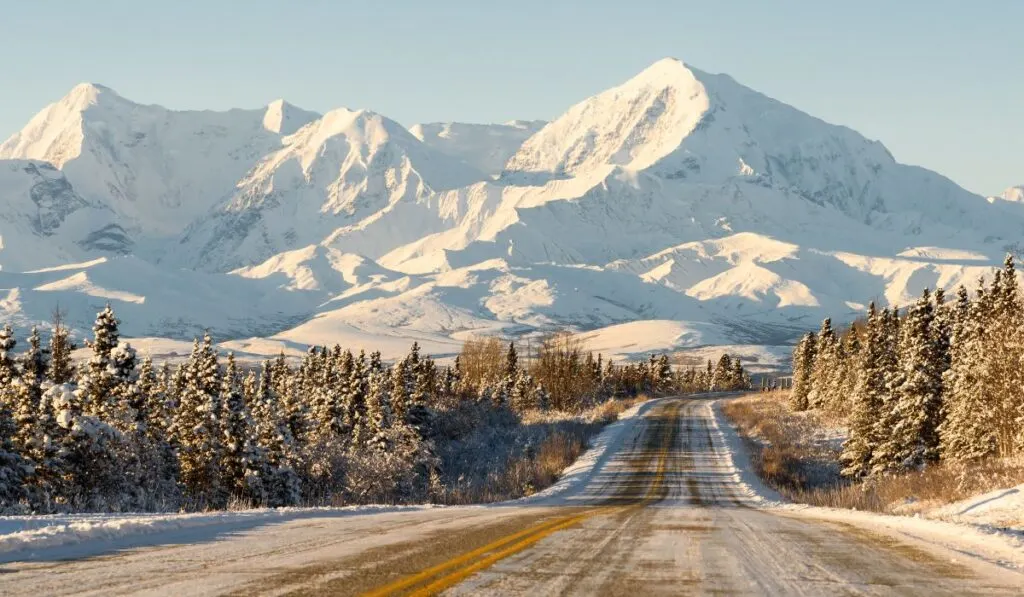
(61, 370)
(12, 465)
(7, 368)
(914, 416)
(803, 367)
(279, 479)
(197, 428)
(96, 380)
(825, 362)
(241, 463)
(866, 399)
(968, 430)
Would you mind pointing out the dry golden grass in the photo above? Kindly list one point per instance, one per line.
(783, 446)
(914, 492)
(784, 454)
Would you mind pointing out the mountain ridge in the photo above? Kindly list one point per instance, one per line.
(678, 195)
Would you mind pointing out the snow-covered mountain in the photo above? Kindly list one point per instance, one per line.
(679, 196)
(156, 169)
(1015, 194)
(486, 147)
(330, 174)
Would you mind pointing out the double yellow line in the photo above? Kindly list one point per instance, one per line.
(436, 579)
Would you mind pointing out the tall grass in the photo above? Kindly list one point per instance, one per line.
(787, 452)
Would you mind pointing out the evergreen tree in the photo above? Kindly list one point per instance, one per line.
(241, 463)
(60, 349)
(825, 362)
(96, 380)
(197, 428)
(12, 465)
(25, 394)
(968, 431)
(7, 344)
(279, 480)
(664, 372)
(378, 409)
(803, 366)
(866, 399)
(912, 421)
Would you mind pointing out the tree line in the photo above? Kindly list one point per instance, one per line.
(937, 381)
(113, 433)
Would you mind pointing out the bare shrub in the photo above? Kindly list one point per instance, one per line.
(482, 362)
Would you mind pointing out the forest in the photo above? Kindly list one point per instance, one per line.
(109, 431)
(938, 381)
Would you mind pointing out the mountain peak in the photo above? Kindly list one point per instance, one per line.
(284, 118)
(1014, 194)
(632, 125)
(84, 95)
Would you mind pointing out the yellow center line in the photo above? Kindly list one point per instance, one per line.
(516, 542)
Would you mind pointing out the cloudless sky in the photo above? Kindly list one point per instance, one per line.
(940, 82)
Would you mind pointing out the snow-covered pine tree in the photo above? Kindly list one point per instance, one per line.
(825, 362)
(240, 463)
(279, 479)
(359, 387)
(913, 420)
(61, 370)
(843, 378)
(722, 374)
(866, 398)
(400, 390)
(152, 423)
(12, 465)
(421, 396)
(523, 396)
(43, 450)
(378, 409)
(7, 369)
(121, 401)
(90, 452)
(24, 394)
(942, 330)
(197, 429)
(664, 372)
(345, 411)
(968, 431)
(803, 367)
(510, 374)
(1005, 367)
(96, 378)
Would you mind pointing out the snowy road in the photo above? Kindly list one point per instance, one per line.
(658, 508)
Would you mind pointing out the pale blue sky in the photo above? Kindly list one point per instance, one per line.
(940, 82)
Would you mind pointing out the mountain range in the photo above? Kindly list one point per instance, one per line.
(678, 209)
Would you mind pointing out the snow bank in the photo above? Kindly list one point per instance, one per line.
(79, 535)
(967, 528)
(751, 486)
(580, 474)
(1002, 508)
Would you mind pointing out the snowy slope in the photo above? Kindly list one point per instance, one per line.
(45, 222)
(332, 173)
(486, 147)
(157, 169)
(678, 197)
(152, 301)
